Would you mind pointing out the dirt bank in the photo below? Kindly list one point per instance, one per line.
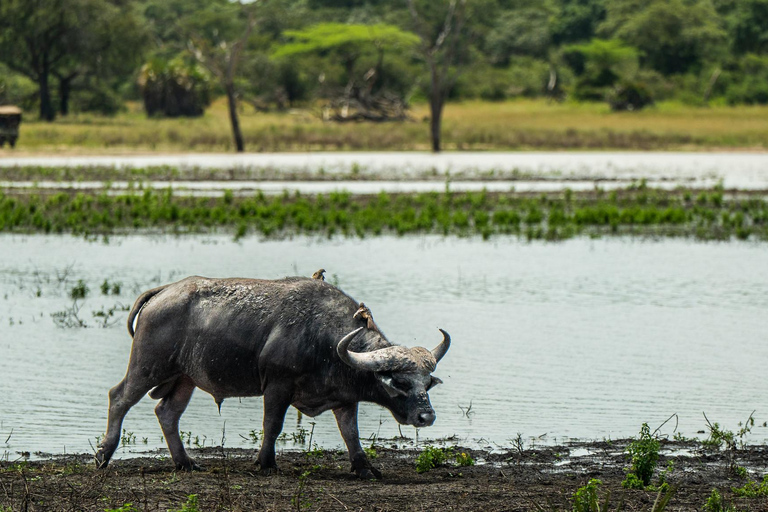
(539, 479)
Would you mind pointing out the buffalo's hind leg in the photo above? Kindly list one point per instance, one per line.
(168, 412)
(121, 398)
(346, 418)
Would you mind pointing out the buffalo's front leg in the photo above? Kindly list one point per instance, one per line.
(346, 418)
(276, 402)
(168, 412)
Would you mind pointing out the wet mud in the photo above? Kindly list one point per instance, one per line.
(541, 479)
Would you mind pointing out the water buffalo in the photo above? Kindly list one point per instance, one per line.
(296, 341)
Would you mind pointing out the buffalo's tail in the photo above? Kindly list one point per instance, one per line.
(140, 302)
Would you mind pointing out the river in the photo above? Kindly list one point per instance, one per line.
(581, 339)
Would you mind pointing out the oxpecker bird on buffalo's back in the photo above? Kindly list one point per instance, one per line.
(294, 341)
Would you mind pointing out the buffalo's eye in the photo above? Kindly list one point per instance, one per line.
(401, 384)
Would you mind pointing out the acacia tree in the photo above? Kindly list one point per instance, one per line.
(439, 47)
(218, 37)
(349, 44)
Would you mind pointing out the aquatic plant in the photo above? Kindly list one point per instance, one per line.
(79, 291)
(550, 217)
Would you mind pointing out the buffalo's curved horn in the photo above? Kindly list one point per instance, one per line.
(375, 361)
(439, 351)
(343, 348)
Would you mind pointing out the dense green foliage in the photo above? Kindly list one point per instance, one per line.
(87, 55)
(638, 211)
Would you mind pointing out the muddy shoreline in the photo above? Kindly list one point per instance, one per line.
(544, 478)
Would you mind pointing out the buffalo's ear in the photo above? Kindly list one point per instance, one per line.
(386, 381)
(434, 382)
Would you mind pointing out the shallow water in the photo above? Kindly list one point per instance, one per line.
(217, 188)
(581, 339)
(736, 170)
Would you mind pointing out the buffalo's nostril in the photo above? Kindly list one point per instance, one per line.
(426, 418)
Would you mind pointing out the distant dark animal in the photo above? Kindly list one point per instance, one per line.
(319, 274)
(295, 341)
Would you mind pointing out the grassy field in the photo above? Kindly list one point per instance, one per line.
(517, 125)
(708, 215)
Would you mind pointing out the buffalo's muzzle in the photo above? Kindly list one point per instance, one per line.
(425, 419)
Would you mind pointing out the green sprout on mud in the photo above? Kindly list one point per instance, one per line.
(643, 453)
(715, 503)
(731, 441)
(191, 505)
(128, 507)
(586, 498)
(752, 489)
(464, 459)
(299, 500)
(315, 453)
(719, 437)
(370, 451)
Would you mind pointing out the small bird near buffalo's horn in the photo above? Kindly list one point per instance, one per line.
(319, 274)
(365, 313)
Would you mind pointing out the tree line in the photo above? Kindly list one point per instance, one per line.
(369, 59)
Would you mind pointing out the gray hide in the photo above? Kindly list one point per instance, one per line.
(295, 341)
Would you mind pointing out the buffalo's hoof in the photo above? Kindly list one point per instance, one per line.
(369, 473)
(268, 471)
(102, 461)
(189, 466)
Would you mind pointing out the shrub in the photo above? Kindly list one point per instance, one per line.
(432, 457)
(644, 454)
